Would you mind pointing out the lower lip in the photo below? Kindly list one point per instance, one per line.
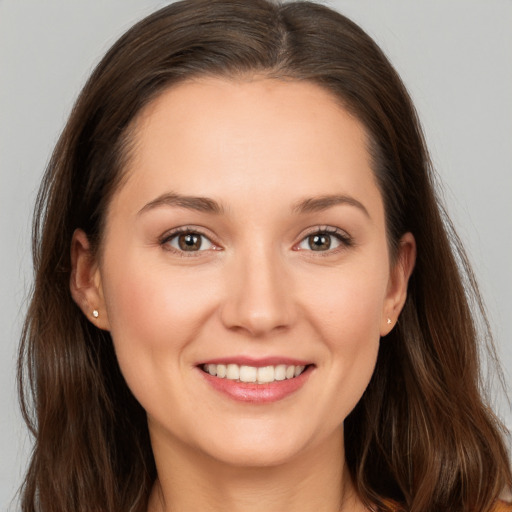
(258, 393)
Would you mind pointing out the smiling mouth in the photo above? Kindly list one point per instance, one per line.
(253, 374)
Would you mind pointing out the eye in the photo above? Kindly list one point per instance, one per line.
(188, 241)
(324, 240)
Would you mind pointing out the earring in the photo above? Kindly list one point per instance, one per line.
(389, 321)
(95, 313)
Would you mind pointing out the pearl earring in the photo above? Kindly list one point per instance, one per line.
(95, 313)
(389, 321)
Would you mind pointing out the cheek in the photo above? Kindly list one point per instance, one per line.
(150, 298)
(154, 315)
(355, 329)
(347, 304)
(345, 311)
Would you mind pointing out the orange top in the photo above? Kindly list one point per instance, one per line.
(500, 506)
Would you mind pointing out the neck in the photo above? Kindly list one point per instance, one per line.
(316, 480)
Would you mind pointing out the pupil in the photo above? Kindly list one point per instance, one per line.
(320, 242)
(190, 241)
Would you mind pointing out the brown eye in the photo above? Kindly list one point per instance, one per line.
(319, 242)
(188, 241)
(325, 240)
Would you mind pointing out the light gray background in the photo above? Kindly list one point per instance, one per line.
(455, 56)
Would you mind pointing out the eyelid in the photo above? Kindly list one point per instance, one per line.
(344, 238)
(172, 233)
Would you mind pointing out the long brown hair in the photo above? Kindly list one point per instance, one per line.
(421, 434)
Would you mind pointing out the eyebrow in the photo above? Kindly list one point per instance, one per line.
(200, 204)
(318, 204)
(207, 205)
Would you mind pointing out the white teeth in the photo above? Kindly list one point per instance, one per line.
(221, 370)
(298, 370)
(261, 375)
(232, 372)
(248, 373)
(280, 372)
(266, 374)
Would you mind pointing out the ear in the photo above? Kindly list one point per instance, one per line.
(398, 281)
(85, 281)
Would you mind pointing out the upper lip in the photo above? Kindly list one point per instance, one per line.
(257, 362)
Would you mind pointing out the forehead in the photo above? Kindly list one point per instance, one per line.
(259, 103)
(211, 136)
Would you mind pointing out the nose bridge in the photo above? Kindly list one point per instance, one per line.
(258, 298)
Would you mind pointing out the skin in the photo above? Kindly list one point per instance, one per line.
(257, 147)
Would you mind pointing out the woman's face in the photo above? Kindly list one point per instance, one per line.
(248, 239)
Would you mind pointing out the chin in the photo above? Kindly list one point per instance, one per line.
(255, 455)
(264, 447)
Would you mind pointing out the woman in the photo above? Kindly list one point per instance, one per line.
(246, 293)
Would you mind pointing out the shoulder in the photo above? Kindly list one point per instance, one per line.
(500, 506)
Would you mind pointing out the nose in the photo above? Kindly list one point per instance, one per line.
(259, 294)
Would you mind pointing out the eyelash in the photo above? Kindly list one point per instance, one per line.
(345, 240)
(188, 230)
(343, 237)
